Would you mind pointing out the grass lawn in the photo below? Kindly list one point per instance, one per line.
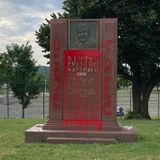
(12, 146)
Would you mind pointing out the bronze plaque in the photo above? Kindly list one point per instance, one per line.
(83, 35)
(82, 85)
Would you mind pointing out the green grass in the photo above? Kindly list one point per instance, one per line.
(12, 146)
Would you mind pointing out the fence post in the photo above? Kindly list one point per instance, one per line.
(130, 99)
(7, 100)
(44, 89)
(4, 95)
(158, 101)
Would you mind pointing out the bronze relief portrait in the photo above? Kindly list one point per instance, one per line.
(83, 35)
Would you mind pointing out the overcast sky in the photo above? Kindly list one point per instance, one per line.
(20, 18)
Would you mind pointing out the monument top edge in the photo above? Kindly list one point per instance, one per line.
(85, 20)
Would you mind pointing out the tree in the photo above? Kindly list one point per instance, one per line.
(3, 68)
(43, 35)
(123, 83)
(139, 37)
(21, 73)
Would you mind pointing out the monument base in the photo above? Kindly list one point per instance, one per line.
(107, 135)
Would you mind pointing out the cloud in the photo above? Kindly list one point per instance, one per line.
(7, 22)
(19, 19)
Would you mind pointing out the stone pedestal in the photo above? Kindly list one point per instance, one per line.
(83, 72)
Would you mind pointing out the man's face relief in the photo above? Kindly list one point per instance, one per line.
(83, 33)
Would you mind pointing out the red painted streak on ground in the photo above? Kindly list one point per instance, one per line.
(84, 124)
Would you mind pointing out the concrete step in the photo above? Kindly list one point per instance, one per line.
(77, 133)
(54, 140)
(38, 134)
(83, 128)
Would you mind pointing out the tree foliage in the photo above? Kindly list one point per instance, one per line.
(123, 83)
(139, 38)
(21, 73)
(3, 68)
(43, 35)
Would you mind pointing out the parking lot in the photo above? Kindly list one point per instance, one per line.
(11, 108)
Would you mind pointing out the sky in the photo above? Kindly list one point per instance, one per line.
(19, 19)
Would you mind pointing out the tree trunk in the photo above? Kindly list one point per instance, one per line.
(23, 112)
(141, 96)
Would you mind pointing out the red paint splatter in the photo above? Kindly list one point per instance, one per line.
(84, 124)
(56, 73)
(76, 108)
(107, 79)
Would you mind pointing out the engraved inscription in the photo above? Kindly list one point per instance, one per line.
(82, 85)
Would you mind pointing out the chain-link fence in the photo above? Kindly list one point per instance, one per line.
(11, 108)
(124, 99)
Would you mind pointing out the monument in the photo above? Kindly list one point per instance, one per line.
(83, 72)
